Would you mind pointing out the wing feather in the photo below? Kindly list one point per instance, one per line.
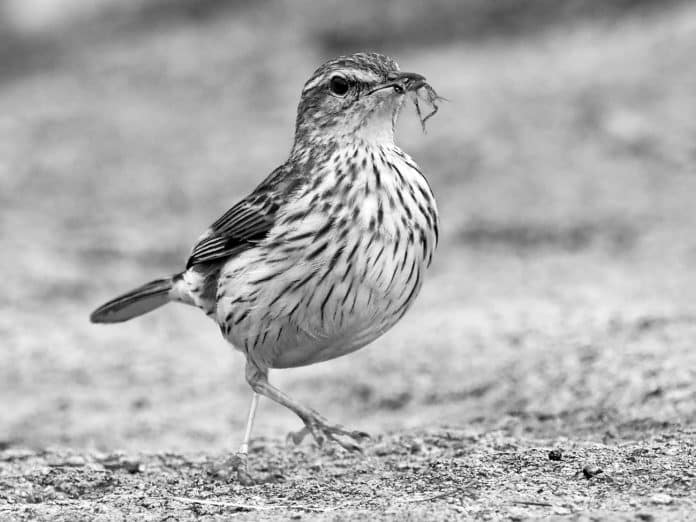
(242, 226)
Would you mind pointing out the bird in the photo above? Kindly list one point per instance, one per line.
(326, 254)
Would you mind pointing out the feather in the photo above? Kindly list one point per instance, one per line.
(244, 225)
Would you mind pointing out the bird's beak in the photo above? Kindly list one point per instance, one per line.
(402, 82)
(412, 81)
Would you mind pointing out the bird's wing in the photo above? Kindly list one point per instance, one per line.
(242, 226)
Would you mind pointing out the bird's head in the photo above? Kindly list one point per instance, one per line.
(353, 97)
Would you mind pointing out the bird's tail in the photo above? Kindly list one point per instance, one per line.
(137, 302)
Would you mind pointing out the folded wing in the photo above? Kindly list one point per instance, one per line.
(244, 225)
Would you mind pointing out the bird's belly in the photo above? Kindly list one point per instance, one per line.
(313, 312)
(345, 327)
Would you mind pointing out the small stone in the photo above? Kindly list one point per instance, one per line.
(75, 461)
(131, 465)
(661, 498)
(416, 446)
(591, 471)
(115, 462)
(555, 454)
(645, 517)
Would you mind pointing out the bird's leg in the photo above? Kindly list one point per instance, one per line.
(315, 424)
(244, 448)
(239, 461)
(243, 468)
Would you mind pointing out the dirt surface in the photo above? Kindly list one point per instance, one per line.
(436, 475)
(560, 312)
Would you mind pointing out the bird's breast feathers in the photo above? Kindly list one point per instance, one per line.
(341, 265)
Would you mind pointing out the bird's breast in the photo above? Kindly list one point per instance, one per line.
(342, 265)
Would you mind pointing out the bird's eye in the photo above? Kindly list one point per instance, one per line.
(339, 85)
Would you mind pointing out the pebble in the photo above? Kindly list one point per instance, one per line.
(416, 446)
(591, 471)
(661, 498)
(130, 464)
(555, 454)
(75, 460)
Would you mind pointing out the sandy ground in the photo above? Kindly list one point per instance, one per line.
(440, 474)
(560, 312)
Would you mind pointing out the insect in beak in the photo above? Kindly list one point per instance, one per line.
(401, 82)
(412, 81)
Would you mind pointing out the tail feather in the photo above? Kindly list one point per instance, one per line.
(137, 302)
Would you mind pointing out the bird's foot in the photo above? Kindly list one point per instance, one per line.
(321, 430)
(235, 466)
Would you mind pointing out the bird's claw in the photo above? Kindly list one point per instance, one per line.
(322, 430)
(235, 465)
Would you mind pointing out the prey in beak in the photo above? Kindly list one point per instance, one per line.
(409, 82)
(401, 82)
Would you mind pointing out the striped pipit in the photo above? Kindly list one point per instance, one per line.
(327, 253)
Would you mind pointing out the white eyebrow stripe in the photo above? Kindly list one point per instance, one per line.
(365, 77)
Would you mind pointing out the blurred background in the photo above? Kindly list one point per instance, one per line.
(563, 297)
